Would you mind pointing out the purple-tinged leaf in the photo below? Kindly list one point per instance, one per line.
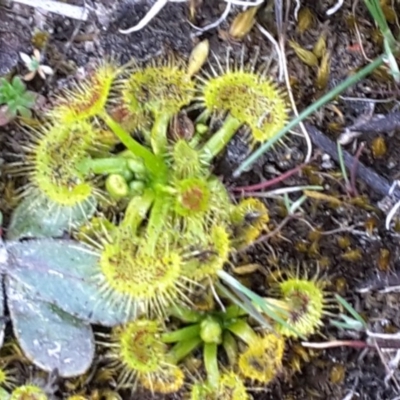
(62, 272)
(38, 217)
(49, 337)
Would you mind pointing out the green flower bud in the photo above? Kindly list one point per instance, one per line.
(211, 331)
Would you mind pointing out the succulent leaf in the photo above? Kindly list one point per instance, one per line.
(52, 339)
(36, 217)
(62, 273)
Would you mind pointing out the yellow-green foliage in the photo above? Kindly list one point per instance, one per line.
(176, 223)
(130, 270)
(88, 98)
(54, 160)
(28, 392)
(304, 300)
(251, 98)
(139, 356)
(262, 360)
(162, 88)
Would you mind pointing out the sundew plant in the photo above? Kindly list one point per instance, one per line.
(120, 165)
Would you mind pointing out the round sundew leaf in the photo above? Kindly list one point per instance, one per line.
(49, 337)
(38, 217)
(62, 273)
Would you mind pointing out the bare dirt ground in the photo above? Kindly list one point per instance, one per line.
(345, 239)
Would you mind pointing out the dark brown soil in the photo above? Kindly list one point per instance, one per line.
(306, 242)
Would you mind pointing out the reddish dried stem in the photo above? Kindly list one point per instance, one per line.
(271, 182)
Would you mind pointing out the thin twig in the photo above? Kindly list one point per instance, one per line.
(277, 49)
(353, 170)
(353, 10)
(58, 7)
(218, 22)
(376, 182)
(358, 344)
(263, 238)
(154, 10)
(282, 41)
(335, 8)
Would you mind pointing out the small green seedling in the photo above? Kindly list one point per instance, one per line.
(15, 100)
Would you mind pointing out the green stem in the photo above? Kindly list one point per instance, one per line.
(243, 330)
(271, 310)
(181, 335)
(104, 166)
(183, 349)
(184, 314)
(375, 9)
(157, 219)
(308, 111)
(233, 311)
(221, 138)
(159, 140)
(231, 348)
(137, 210)
(153, 164)
(211, 364)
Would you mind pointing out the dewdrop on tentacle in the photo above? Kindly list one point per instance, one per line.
(87, 99)
(199, 203)
(136, 352)
(303, 302)
(161, 90)
(209, 254)
(250, 97)
(131, 274)
(262, 360)
(54, 160)
(249, 219)
(166, 381)
(28, 392)
(231, 387)
(158, 88)
(192, 197)
(186, 162)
